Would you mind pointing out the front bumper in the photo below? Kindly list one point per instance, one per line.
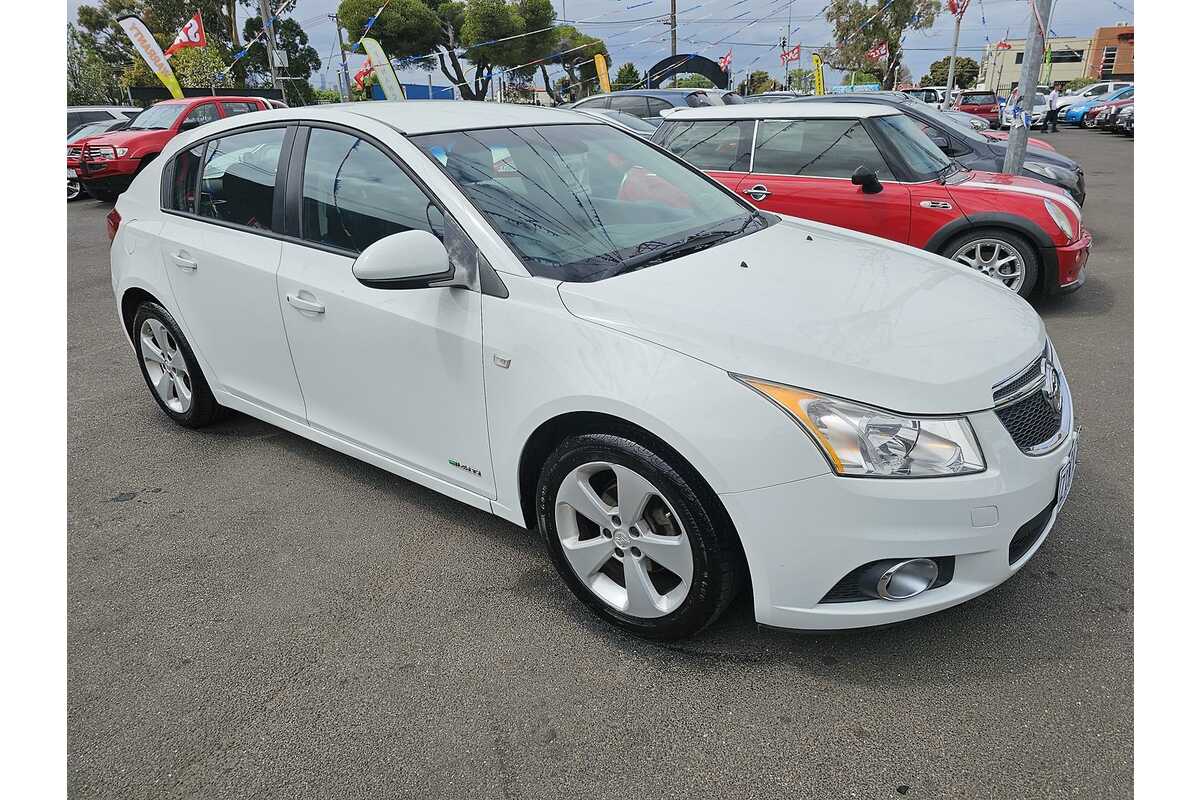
(1071, 262)
(802, 537)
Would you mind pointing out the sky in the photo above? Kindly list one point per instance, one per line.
(750, 28)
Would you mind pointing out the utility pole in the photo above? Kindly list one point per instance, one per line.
(1018, 135)
(954, 52)
(674, 41)
(344, 83)
(265, 9)
(231, 10)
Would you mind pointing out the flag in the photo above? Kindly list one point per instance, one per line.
(724, 61)
(602, 73)
(192, 35)
(1002, 45)
(384, 73)
(790, 55)
(151, 53)
(818, 75)
(958, 7)
(362, 74)
(879, 52)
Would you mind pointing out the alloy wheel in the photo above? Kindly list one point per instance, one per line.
(74, 189)
(994, 258)
(165, 366)
(623, 540)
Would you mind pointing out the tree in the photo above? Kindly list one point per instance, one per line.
(575, 52)
(303, 60)
(194, 68)
(628, 76)
(760, 81)
(90, 79)
(859, 26)
(426, 33)
(800, 80)
(857, 78)
(966, 72)
(692, 81)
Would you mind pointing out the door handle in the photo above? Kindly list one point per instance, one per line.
(300, 303)
(757, 192)
(183, 262)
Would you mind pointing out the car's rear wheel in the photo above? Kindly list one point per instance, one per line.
(632, 538)
(170, 368)
(999, 254)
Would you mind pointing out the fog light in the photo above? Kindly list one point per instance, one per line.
(899, 580)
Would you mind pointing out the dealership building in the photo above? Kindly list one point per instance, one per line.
(1106, 55)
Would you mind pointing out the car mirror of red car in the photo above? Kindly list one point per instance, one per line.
(868, 179)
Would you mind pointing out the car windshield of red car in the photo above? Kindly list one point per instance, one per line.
(157, 118)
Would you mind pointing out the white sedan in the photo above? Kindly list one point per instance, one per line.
(549, 319)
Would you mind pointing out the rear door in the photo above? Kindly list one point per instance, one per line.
(221, 255)
(802, 167)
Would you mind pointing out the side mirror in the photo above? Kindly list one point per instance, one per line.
(941, 142)
(867, 179)
(408, 260)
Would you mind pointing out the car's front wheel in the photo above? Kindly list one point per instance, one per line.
(74, 189)
(1000, 254)
(633, 539)
(170, 368)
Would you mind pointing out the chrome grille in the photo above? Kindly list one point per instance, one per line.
(1024, 406)
(73, 151)
(1030, 421)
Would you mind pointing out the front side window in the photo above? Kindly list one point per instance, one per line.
(922, 159)
(157, 118)
(354, 195)
(237, 183)
(200, 115)
(719, 145)
(586, 202)
(823, 148)
(183, 173)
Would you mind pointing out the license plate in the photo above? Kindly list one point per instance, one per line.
(74, 173)
(1066, 474)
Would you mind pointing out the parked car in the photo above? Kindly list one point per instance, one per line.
(871, 169)
(1077, 114)
(982, 103)
(926, 94)
(75, 139)
(1094, 90)
(1125, 120)
(605, 345)
(628, 122)
(972, 121)
(773, 97)
(78, 115)
(1106, 115)
(108, 163)
(971, 148)
(1037, 113)
(648, 104)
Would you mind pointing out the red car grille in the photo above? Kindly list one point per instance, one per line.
(73, 151)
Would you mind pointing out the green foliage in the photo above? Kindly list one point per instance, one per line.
(575, 52)
(628, 76)
(859, 25)
(194, 67)
(327, 96)
(303, 60)
(857, 78)
(1079, 83)
(966, 72)
(91, 80)
(692, 81)
(800, 80)
(760, 81)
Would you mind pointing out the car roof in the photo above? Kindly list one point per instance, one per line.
(103, 108)
(416, 117)
(785, 111)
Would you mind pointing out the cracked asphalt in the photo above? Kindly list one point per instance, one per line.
(252, 615)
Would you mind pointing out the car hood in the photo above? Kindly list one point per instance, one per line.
(976, 179)
(125, 137)
(830, 310)
(1037, 154)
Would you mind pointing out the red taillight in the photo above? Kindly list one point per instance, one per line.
(114, 221)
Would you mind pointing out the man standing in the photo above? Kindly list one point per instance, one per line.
(1051, 117)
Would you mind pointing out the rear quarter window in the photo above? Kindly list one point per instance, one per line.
(720, 145)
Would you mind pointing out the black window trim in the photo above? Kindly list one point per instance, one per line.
(289, 131)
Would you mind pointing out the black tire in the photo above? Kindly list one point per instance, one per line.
(1033, 264)
(75, 190)
(204, 408)
(716, 556)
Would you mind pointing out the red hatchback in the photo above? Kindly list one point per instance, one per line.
(981, 103)
(107, 164)
(871, 169)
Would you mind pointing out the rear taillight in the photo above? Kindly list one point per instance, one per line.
(114, 221)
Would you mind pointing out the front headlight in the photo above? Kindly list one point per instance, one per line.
(121, 151)
(1060, 219)
(1046, 171)
(861, 441)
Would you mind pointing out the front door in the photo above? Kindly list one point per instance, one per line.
(221, 266)
(396, 371)
(802, 167)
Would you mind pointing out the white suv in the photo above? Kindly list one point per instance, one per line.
(549, 319)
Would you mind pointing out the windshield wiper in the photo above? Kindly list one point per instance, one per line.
(692, 244)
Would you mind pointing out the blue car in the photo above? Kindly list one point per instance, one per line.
(1077, 114)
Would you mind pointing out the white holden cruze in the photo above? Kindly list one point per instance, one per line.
(548, 318)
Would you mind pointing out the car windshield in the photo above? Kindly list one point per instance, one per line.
(922, 157)
(978, 98)
(156, 118)
(86, 130)
(586, 202)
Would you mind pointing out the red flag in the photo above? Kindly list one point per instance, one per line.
(1003, 46)
(362, 74)
(879, 52)
(724, 61)
(790, 55)
(191, 35)
(958, 7)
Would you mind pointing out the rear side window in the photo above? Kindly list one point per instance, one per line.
(232, 109)
(77, 118)
(630, 104)
(827, 148)
(182, 175)
(237, 183)
(599, 102)
(711, 145)
(656, 106)
(355, 195)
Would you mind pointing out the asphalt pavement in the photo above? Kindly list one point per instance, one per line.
(253, 615)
